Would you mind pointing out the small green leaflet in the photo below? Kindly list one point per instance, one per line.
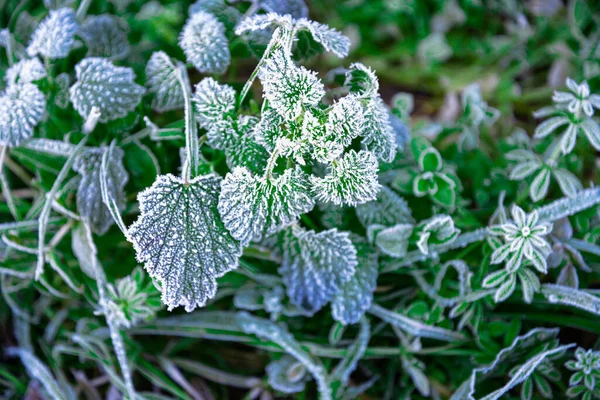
(204, 43)
(161, 79)
(351, 180)
(101, 84)
(316, 265)
(22, 107)
(89, 197)
(254, 207)
(181, 239)
(287, 87)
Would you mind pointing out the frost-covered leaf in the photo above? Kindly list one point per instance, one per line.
(295, 8)
(378, 133)
(55, 36)
(341, 373)
(254, 207)
(259, 22)
(101, 84)
(105, 36)
(286, 375)
(434, 48)
(25, 71)
(181, 239)
(568, 206)
(243, 150)
(568, 182)
(351, 180)
(61, 98)
(22, 107)
(571, 297)
(39, 371)
(222, 11)
(287, 87)
(89, 197)
(539, 187)
(355, 296)
(162, 80)
(387, 209)
(204, 43)
(329, 38)
(437, 230)
(212, 102)
(392, 241)
(316, 265)
(362, 81)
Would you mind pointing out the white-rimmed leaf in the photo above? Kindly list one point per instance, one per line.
(568, 182)
(539, 187)
(393, 241)
(55, 36)
(558, 294)
(204, 43)
(387, 209)
(316, 265)
(362, 81)
(378, 134)
(101, 84)
(351, 180)
(223, 12)
(286, 375)
(22, 107)
(89, 197)
(181, 239)
(592, 132)
(254, 207)
(355, 296)
(105, 36)
(162, 80)
(212, 102)
(25, 71)
(39, 371)
(329, 38)
(287, 87)
(549, 126)
(524, 169)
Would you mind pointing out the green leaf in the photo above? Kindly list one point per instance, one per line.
(204, 43)
(161, 79)
(387, 209)
(181, 239)
(22, 107)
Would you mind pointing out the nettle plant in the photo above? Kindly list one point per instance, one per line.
(296, 213)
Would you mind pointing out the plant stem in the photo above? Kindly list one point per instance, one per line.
(190, 166)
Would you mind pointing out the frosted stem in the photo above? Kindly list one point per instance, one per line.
(190, 166)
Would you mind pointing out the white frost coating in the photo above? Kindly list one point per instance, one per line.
(212, 102)
(438, 229)
(362, 81)
(89, 196)
(262, 21)
(348, 364)
(181, 239)
(22, 107)
(378, 134)
(101, 84)
(329, 38)
(569, 206)
(105, 36)
(345, 122)
(286, 375)
(265, 329)
(296, 8)
(61, 97)
(288, 87)
(387, 209)
(161, 79)
(254, 207)
(55, 36)
(351, 180)
(25, 71)
(356, 295)
(316, 265)
(39, 371)
(204, 43)
(571, 297)
(243, 151)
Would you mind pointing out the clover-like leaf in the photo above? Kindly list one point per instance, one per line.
(162, 80)
(356, 295)
(22, 107)
(387, 209)
(89, 196)
(181, 239)
(351, 180)
(204, 43)
(379, 136)
(316, 265)
(105, 36)
(212, 102)
(55, 36)
(329, 38)
(101, 84)
(254, 207)
(25, 71)
(287, 87)
(286, 375)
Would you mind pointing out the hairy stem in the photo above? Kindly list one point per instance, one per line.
(190, 166)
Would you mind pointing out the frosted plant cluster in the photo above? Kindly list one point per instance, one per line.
(205, 197)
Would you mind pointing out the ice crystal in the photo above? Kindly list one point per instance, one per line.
(55, 36)
(204, 43)
(316, 265)
(161, 79)
(89, 197)
(351, 180)
(105, 36)
(181, 239)
(101, 84)
(22, 107)
(254, 207)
